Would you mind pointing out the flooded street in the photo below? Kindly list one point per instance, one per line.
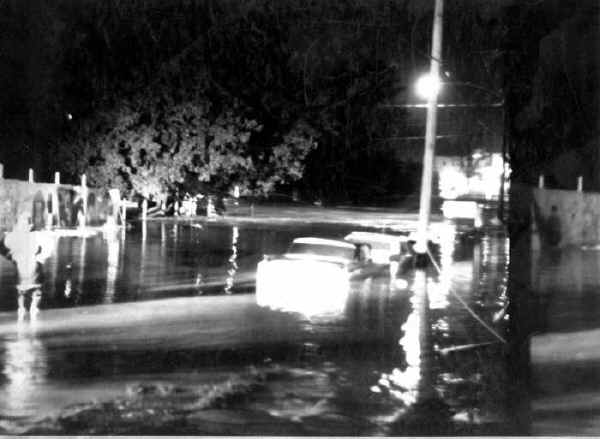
(300, 218)
(158, 331)
(557, 305)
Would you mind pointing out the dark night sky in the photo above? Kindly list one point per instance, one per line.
(66, 57)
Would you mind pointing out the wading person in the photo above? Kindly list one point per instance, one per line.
(363, 263)
(553, 228)
(28, 250)
(362, 255)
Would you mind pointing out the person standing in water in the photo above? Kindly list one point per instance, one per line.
(553, 228)
(28, 250)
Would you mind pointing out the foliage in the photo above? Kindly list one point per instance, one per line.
(151, 149)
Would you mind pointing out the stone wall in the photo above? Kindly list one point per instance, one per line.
(51, 205)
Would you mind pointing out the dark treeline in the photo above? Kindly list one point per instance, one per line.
(309, 78)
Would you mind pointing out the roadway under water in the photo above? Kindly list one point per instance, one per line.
(557, 304)
(159, 332)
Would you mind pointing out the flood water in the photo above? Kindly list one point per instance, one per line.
(557, 304)
(157, 331)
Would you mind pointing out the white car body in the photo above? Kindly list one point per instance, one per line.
(315, 275)
(382, 246)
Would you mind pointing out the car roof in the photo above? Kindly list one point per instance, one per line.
(323, 241)
(373, 237)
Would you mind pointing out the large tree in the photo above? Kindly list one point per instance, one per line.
(156, 142)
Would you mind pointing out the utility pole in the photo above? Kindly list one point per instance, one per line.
(430, 132)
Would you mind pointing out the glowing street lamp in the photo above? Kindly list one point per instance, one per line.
(428, 86)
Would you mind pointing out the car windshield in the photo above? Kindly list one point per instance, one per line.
(321, 250)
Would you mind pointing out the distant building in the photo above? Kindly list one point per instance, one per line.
(477, 178)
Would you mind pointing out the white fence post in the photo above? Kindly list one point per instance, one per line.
(55, 209)
(115, 198)
(579, 184)
(30, 178)
(144, 209)
(84, 196)
(541, 181)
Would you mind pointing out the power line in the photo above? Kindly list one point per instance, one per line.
(490, 105)
(439, 136)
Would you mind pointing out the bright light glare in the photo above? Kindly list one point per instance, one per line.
(428, 86)
(400, 284)
(488, 176)
(404, 384)
(452, 182)
(305, 287)
(459, 209)
(25, 367)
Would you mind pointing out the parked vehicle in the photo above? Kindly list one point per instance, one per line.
(318, 273)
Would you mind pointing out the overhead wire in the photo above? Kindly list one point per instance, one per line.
(466, 305)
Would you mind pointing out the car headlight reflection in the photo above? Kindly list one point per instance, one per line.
(305, 287)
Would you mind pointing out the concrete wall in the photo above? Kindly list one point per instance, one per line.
(579, 214)
(51, 205)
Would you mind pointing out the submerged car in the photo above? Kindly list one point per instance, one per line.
(316, 275)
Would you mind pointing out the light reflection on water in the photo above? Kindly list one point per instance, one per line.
(233, 266)
(370, 363)
(153, 261)
(559, 293)
(25, 367)
(405, 384)
(113, 244)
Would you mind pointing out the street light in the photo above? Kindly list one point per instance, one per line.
(428, 86)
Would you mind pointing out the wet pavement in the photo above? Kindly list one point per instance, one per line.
(158, 331)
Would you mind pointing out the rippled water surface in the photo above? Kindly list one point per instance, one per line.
(158, 331)
(557, 304)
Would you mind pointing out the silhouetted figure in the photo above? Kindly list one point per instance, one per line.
(363, 265)
(404, 260)
(553, 228)
(28, 250)
(362, 255)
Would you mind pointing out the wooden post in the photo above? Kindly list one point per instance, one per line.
(541, 181)
(535, 234)
(478, 220)
(115, 199)
(236, 194)
(55, 209)
(144, 209)
(84, 196)
(30, 179)
(579, 184)
(49, 220)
